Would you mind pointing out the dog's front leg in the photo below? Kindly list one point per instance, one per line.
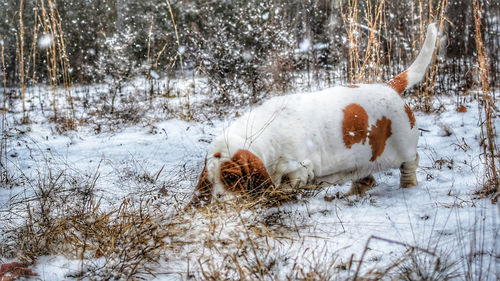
(298, 174)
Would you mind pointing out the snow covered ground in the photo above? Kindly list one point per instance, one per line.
(439, 228)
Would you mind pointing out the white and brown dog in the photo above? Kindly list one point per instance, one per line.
(338, 134)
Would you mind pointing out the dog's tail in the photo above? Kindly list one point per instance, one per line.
(415, 73)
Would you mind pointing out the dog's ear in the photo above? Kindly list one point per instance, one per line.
(253, 172)
(202, 191)
(231, 175)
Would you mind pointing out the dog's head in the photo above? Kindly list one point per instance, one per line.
(243, 173)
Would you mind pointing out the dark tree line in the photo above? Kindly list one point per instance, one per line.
(250, 46)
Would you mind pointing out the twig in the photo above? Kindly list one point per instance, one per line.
(176, 35)
(388, 241)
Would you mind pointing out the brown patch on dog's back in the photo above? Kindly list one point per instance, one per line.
(351, 86)
(400, 82)
(409, 112)
(217, 155)
(354, 125)
(379, 134)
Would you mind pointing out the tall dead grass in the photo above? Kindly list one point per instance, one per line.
(487, 114)
(57, 60)
(425, 92)
(179, 54)
(350, 18)
(366, 36)
(3, 142)
(21, 61)
(47, 38)
(365, 66)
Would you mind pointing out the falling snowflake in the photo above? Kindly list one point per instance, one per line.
(45, 41)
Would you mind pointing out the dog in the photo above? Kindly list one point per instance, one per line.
(328, 137)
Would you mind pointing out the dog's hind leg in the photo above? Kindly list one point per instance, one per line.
(408, 175)
(360, 186)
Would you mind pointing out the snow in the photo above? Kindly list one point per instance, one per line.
(441, 215)
(305, 45)
(247, 55)
(154, 74)
(181, 50)
(45, 41)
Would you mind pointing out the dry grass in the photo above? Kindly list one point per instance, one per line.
(131, 238)
(425, 93)
(487, 115)
(368, 61)
(57, 60)
(148, 233)
(226, 240)
(245, 242)
(365, 67)
(21, 61)
(239, 243)
(3, 142)
(275, 196)
(48, 21)
(179, 55)
(427, 267)
(350, 18)
(63, 216)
